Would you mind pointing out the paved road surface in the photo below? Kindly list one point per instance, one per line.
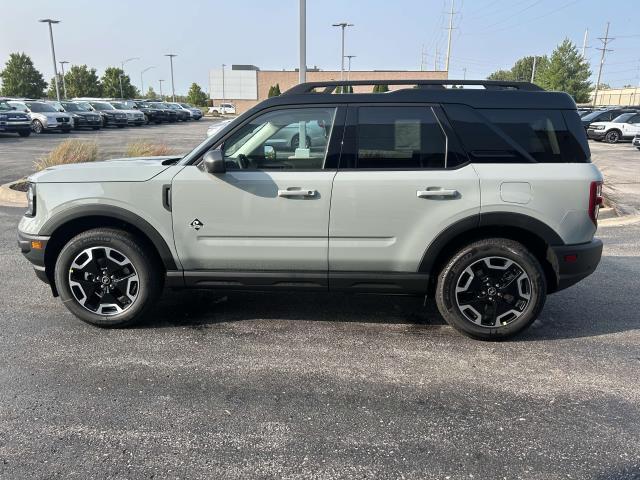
(318, 386)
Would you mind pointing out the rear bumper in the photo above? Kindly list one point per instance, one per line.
(572, 263)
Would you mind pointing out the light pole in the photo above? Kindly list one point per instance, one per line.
(221, 107)
(349, 65)
(64, 83)
(122, 74)
(53, 53)
(141, 79)
(342, 25)
(160, 81)
(302, 70)
(173, 90)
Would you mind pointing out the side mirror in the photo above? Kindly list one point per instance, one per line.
(269, 152)
(214, 161)
(14, 108)
(61, 110)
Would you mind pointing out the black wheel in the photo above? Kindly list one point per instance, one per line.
(295, 141)
(613, 136)
(106, 277)
(491, 289)
(24, 133)
(36, 126)
(96, 128)
(121, 126)
(104, 122)
(146, 119)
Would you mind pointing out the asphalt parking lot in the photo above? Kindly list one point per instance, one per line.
(303, 386)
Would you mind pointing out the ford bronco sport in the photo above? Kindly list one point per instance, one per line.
(481, 197)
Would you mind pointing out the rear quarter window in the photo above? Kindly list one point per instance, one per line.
(520, 135)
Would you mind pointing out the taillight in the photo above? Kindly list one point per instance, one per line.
(595, 201)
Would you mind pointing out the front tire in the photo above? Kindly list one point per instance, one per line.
(107, 278)
(613, 136)
(24, 133)
(37, 127)
(491, 289)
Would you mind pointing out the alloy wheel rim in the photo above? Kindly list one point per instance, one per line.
(36, 127)
(104, 281)
(493, 292)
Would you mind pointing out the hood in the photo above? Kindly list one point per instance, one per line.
(53, 114)
(120, 170)
(595, 124)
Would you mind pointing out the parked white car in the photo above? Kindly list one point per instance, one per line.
(223, 109)
(44, 116)
(623, 127)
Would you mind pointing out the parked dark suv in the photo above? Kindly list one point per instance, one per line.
(151, 114)
(12, 121)
(110, 115)
(83, 116)
(172, 115)
(604, 115)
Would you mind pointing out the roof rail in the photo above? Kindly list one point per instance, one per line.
(331, 85)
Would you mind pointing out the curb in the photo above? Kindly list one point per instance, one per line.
(10, 197)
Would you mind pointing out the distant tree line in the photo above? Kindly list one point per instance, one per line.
(565, 70)
(20, 78)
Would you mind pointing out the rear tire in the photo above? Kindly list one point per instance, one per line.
(24, 133)
(614, 136)
(491, 289)
(107, 278)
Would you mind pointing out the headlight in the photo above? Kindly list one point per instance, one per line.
(598, 127)
(76, 116)
(3, 117)
(31, 201)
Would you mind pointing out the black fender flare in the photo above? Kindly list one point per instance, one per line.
(117, 213)
(490, 219)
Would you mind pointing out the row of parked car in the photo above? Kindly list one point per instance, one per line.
(612, 125)
(26, 116)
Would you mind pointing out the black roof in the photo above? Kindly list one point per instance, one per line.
(494, 94)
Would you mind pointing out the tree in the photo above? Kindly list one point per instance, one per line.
(151, 93)
(83, 81)
(276, 90)
(567, 71)
(196, 96)
(111, 84)
(521, 70)
(20, 78)
(604, 86)
(380, 88)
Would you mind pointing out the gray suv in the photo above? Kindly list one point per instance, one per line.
(44, 116)
(483, 199)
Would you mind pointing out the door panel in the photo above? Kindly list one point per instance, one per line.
(379, 223)
(246, 225)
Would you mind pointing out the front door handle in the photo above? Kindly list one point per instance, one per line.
(437, 192)
(297, 193)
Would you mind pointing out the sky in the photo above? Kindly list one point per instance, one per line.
(387, 34)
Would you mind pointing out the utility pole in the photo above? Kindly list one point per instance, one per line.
(342, 25)
(53, 53)
(302, 69)
(435, 60)
(160, 82)
(533, 70)
(422, 58)
(605, 41)
(173, 90)
(449, 39)
(64, 83)
(584, 42)
(464, 73)
(349, 57)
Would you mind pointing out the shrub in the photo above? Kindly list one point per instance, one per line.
(147, 149)
(69, 151)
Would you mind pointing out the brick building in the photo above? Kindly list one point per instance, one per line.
(247, 85)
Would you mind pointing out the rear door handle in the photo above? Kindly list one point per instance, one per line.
(437, 192)
(297, 193)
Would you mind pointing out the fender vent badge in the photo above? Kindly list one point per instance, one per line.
(196, 224)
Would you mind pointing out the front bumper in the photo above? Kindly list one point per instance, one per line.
(15, 127)
(83, 122)
(595, 134)
(572, 263)
(27, 244)
(115, 121)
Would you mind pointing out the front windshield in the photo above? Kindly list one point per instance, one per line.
(40, 107)
(185, 105)
(75, 107)
(623, 118)
(4, 106)
(157, 105)
(102, 106)
(173, 106)
(119, 106)
(593, 115)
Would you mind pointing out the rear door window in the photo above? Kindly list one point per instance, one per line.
(399, 138)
